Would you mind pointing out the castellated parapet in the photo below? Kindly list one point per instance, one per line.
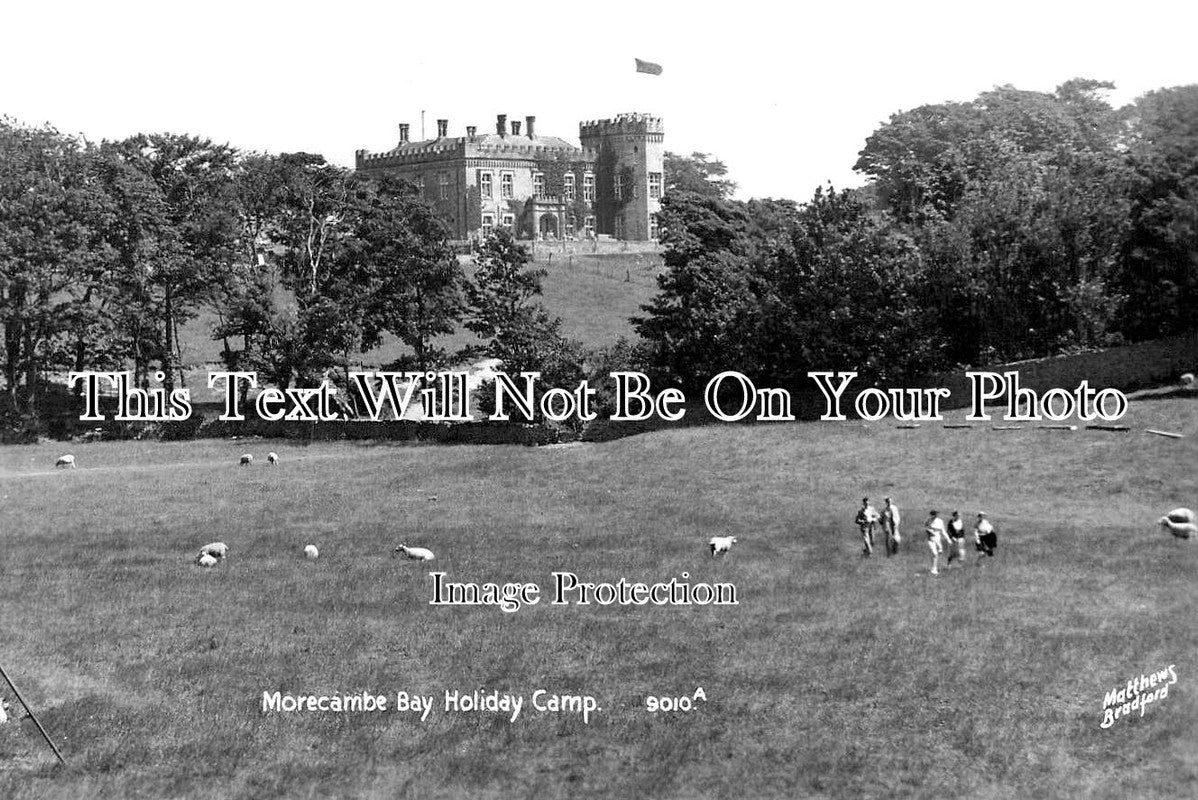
(542, 187)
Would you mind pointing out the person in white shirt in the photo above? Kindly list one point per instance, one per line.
(890, 525)
(984, 535)
(866, 519)
(934, 528)
(956, 538)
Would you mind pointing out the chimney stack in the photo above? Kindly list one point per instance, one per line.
(403, 133)
(501, 124)
(442, 128)
(471, 130)
(529, 123)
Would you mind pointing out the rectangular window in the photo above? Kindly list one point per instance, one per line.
(420, 184)
(619, 187)
(570, 228)
(486, 186)
(588, 187)
(568, 187)
(488, 225)
(589, 227)
(443, 180)
(505, 186)
(620, 227)
(653, 231)
(509, 221)
(538, 185)
(655, 185)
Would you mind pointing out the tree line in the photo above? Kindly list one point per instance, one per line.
(1016, 225)
(107, 249)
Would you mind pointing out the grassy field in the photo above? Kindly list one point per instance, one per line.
(835, 676)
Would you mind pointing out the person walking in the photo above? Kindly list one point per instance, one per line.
(934, 528)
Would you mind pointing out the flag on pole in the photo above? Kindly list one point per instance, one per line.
(648, 66)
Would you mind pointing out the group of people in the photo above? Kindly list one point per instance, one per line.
(942, 536)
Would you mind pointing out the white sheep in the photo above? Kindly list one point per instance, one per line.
(3, 711)
(1187, 381)
(415, 553)
(721, 544)
(272, 458)
(206, 560)
(1181, 515)
(1182, 530)
(247, 459)
(215, 549)
(67, 461)
(310, 551)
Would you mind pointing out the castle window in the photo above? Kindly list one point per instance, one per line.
(655, 185)
(653, 231)
(568, 187)
(589, 227)
(588, 187)
(570, 228)
(620, 226)
(506, 182)
(488, 225)
(509, 221)
(420, 184)
(538, 185)
(619, 187)
(443, 180)
(486, 187)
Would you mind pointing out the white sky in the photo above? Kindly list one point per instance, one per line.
(784, 93)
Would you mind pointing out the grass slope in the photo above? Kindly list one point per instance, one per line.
(835, 676)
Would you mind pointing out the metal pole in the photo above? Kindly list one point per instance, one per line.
(29, 711)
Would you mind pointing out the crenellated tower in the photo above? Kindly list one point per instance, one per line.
(629, 157)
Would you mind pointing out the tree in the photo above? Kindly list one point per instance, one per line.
(706, 311)
(1160, 270)
(516, 329)
(52, 254)
(406, 270)
(697, 173)
(187, 234)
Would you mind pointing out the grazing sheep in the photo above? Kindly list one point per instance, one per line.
(721, 544)
(1182, 530)
(310, 551)
(272, 458)
(206, 560)
(216, 550)
(1181, 515)
(67, 461)
(247, 459)
(1187, 381)
(415, 553)
(3, 711)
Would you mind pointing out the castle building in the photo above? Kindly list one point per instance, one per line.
(541, 187)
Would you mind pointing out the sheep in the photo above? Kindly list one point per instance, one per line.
(310, 551)
(1182, 530)
(66, 461)
(3, 711)
(1181, 515)
(415, 553)
(1187, 382)
(272, 458)
(721, 544)
(247, 459)
(215, 549)
(206, 560)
